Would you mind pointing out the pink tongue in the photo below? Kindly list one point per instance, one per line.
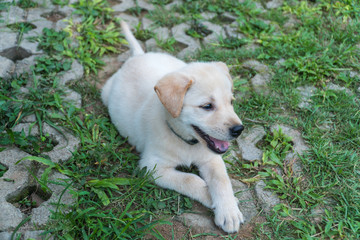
(221, 145)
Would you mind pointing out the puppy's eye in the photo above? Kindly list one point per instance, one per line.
(207, 106)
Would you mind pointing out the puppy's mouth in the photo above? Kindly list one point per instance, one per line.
(215, 145)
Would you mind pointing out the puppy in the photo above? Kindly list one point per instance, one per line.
(188, 119)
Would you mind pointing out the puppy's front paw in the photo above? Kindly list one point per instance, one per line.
(228, 217)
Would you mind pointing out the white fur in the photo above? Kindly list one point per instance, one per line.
(138, 114)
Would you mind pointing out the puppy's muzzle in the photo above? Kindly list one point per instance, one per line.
(236, 130)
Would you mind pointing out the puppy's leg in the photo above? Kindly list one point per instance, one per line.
(187, 184)
(227, 213)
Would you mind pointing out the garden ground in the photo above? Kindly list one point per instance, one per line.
(295, 66)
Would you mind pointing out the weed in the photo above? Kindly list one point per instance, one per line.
(3, 169)
(142, 34)
(160, 2)
(60, 2)
(233, 42)
(198, 30)
(165, 18)
(93, 42)
(167, 45)
(98, 9)
(53, 41)
(137, 11)
(22, 28)
(26, 4)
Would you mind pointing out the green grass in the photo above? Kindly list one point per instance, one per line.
(116, 200)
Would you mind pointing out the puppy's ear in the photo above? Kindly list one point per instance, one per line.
(171, 91)
(225, 69)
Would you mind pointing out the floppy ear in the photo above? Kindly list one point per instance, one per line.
(171, 91)
(225, 69)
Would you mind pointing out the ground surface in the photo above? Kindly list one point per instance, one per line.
(295, 169)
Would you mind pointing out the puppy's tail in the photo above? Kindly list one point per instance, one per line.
(134, 44)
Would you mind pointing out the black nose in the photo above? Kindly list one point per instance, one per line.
(235, 131)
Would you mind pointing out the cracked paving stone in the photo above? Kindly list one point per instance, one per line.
(208, 15)
(34, 14)
(267, 199)
(132, 21)
(13, 15)
(19, 175)
(199, 223)
(232, 30)
(24, 65)
(10, 216)
(8, 39)
(41, 215)
(7, 67)
(147, 23)
(145, 5)
(247, 143)
(5, 235)
(299, 147)
(179, 33)
(306, 92)
(260, 84)
(336, 87)
(73, 98)
(217, 32)
(76, 72)
(247, 203)
(37, 235)
(67, 143)
(260, 81)
(274, 4)
(256, 66)
(173, 4)
(123, 6)
(151, 46)
(201, 220)
(162, 33)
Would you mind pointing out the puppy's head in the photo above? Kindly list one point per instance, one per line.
(199, 99)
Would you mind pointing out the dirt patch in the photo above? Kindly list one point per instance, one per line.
(54, 16)
(111, 66)
(174, 231)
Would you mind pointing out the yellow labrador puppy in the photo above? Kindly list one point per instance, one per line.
(188, 119)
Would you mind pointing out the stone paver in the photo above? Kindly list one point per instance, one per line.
(247, 203)
(267, 199)
(13, 15)
(299, 147)
(306, 92)
(263, 77)
(76, 72)
(37, 235)
(274, 4)
(8, 40)
(17, 179)
(123, 6)
(199, 222)
(247, 143)
(24, 65)
(179, 33)
(7, 67)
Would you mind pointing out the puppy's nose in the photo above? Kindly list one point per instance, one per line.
(236, 130)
